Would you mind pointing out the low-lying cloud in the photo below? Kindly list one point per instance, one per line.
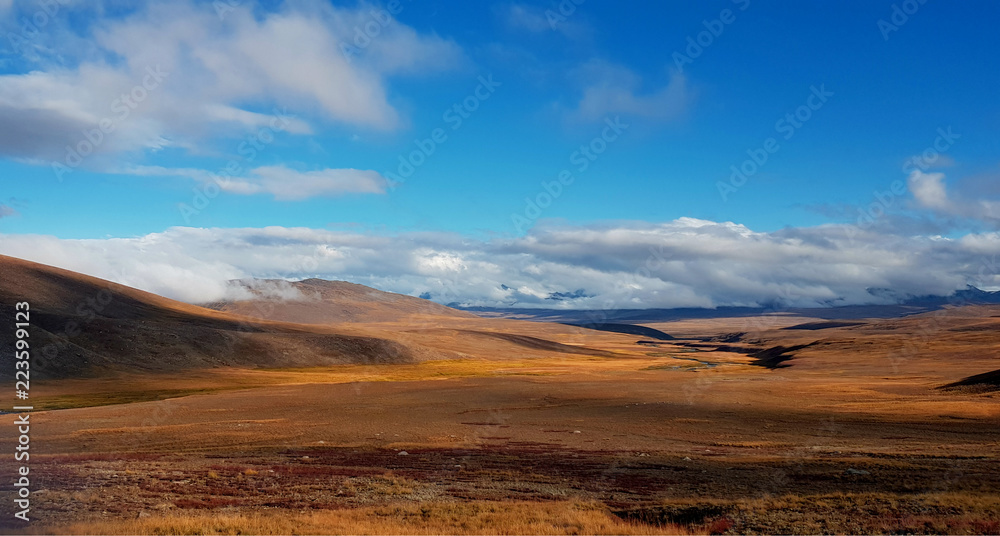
(682, 263)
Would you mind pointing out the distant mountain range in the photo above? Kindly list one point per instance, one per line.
(906, 305)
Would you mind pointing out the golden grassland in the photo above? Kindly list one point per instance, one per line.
(129, 388)
(479, 517)
(174, 419)
(646, 439)
(872, 513)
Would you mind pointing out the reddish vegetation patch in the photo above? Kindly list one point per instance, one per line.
(104, 457)
(210, 502)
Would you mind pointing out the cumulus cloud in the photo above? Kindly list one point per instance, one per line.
(930, 192)
(611, 89)
(682, 263)
(169, 74)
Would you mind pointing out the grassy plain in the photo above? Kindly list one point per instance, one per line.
(852, 434)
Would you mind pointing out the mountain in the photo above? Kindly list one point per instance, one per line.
(85, 326)
(970, 295)
(318, 301)
(905, 306)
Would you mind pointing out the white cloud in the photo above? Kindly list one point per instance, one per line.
(683, 263)
(930, 192)
(220, 112)
(269, 289)
(612, 90)
(223, 75)
(288, 184)
(283, 183)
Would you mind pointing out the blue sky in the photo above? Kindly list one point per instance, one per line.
(874, 84)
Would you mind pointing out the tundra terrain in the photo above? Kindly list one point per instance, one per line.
(326, 407)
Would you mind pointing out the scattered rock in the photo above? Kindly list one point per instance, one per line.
(577, 432)
(853, 471)
(402, 453)
(687, 459)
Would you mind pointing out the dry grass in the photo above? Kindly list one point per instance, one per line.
(130, 388)
(841, 513)
(946, 513)
(569, 517)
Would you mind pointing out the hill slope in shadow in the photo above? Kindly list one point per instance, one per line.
(85, 326)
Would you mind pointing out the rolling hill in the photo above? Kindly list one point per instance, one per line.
(318, 301)
(85, 326)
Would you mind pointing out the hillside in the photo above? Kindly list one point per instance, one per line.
(85, 326)
(317, 301)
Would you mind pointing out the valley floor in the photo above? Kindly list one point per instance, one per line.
(574, 444)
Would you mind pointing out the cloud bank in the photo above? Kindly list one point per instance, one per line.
(682, 263)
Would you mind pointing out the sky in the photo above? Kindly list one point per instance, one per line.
(558, 154)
